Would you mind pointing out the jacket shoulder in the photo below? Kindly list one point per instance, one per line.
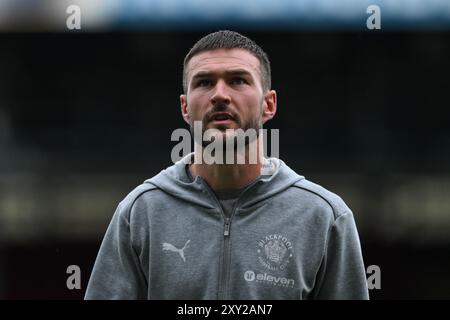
(335, 202)
(127, 203)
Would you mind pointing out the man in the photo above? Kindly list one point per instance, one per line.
(229, 230)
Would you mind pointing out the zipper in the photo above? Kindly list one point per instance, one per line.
(227, 227)
(225, 266)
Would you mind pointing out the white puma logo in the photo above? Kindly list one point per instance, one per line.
(171, 247)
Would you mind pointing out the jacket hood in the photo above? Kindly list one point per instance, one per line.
(174, 180)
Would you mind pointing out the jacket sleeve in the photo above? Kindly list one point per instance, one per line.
(342, 274)
(117, 272)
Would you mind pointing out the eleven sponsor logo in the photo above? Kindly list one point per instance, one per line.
(268, 279)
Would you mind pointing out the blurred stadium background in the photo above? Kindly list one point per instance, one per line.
(87, 115)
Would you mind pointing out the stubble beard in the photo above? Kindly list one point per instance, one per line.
(250, 124)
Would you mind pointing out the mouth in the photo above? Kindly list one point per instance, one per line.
(221, 118)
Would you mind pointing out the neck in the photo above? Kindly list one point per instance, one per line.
(223, 177)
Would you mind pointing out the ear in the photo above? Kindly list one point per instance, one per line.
(269, 106)
(184, 108)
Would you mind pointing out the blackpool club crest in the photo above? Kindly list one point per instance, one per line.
(274, 252)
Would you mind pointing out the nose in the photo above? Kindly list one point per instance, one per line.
(220, 94)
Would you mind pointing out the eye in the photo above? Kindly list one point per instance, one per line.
(238, 81)
(204, 83)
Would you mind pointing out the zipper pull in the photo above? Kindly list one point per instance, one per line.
(227, 227)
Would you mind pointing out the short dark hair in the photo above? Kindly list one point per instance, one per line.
(226, 39)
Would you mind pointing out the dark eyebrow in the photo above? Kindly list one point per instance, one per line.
(235, 72)
(238, 72)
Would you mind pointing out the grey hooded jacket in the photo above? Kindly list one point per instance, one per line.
(287, 238)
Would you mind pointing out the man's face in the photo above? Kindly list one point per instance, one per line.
(224, 91)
